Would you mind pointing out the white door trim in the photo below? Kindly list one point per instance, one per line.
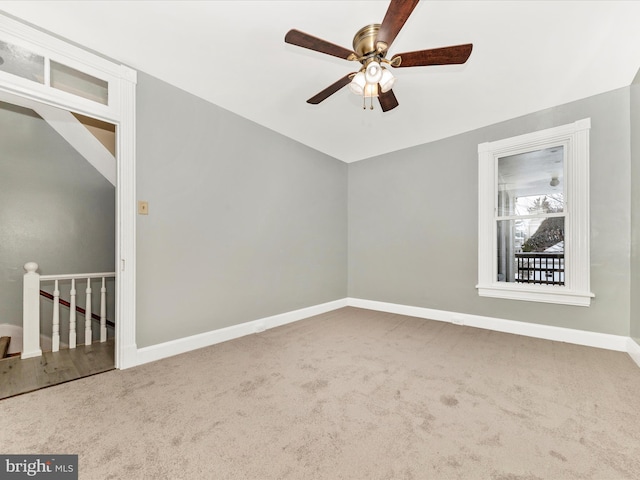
(119, 111)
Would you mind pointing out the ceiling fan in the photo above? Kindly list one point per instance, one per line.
(370, 46)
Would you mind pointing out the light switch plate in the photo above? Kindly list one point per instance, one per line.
(143, 207)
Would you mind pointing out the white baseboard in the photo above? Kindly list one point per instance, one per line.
(183, 345)
(579, 337)
(633, 349)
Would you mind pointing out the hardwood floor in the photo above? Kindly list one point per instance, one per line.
(21, 376)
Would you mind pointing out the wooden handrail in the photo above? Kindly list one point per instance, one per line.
(94, 316)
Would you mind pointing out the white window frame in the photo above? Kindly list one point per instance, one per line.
(576, 290)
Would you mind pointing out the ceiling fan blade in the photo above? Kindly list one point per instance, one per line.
(331, 89)
(456, 54)
(397, 14)
(304, 40)
(387, 100)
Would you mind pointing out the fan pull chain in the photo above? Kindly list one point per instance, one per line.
(364, 102)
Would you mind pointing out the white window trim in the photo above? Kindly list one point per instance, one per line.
(577, 290)
(120, 111)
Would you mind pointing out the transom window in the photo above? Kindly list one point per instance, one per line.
(27, 64)
(534, 216)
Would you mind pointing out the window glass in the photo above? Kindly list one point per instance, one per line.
(530, 217)
(531, 251)
(531, 182)
(78, 83)
(21, 62)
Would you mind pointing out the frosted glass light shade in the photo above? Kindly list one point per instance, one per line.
(387, 80)
(358, 83)
(373, 73)
(371, 90)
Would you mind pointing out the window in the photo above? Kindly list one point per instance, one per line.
(530, 217)
(21, 62)
(27, 64)
(534, 216)
(78, 83)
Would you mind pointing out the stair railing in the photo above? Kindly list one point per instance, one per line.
(31, 309)
(79, 309)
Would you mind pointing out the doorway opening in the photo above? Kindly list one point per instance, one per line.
(56, 210)
(63, 76)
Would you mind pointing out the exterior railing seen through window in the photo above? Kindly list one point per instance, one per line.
(540, 268)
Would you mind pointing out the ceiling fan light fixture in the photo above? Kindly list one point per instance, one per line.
(373, 72)
(387, 80)
(358, 83)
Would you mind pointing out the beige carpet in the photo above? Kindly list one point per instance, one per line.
(352, 394)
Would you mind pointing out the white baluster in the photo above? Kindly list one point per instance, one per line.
(87, 316)
(31, 312)
(55, 334)
(103, 312)
(72, 314)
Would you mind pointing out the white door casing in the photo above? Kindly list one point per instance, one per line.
(119, 110)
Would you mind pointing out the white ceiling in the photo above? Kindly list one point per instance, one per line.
(527, 56)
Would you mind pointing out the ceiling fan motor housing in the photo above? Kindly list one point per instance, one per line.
(364, 41)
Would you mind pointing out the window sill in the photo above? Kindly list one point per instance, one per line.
(542, 293)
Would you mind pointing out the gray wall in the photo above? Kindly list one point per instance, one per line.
(243, 223)
(413, 222)
(55, 209)
(635, 208)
